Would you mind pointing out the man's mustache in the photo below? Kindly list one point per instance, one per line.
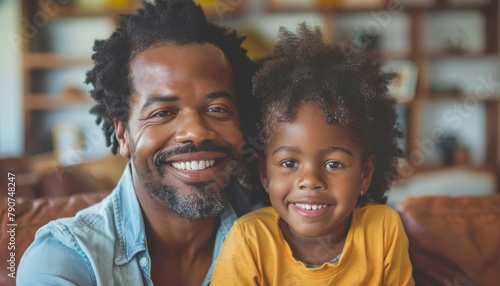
(187, 148)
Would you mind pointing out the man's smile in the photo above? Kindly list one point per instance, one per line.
(194, 165)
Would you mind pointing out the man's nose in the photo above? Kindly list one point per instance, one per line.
(193, 128)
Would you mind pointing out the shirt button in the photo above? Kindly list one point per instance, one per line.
(143, 261)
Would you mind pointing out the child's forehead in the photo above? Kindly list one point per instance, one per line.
(279, 116)
(282, 111)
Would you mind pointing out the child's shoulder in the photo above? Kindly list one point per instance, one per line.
(377, 211)
(266, 213)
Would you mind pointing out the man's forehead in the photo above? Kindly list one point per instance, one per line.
(172, 51)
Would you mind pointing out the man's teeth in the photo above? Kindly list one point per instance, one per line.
(310, 207)
(194, 165)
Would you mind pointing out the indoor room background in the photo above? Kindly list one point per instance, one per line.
(445, 53)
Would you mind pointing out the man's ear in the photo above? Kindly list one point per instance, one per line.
(261, 165)
(121, 134)
(367, 173)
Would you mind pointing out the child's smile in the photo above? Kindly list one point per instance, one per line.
(310, 210)
(314, 173)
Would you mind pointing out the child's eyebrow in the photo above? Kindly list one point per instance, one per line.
(286, 148)
(335, 148)
(323, 151)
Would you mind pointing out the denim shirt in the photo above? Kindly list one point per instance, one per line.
(104, 244)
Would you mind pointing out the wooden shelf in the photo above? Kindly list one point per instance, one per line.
(75, 12)
(53, 60)
(68, 99)
(436, 55)
(427, 169)
(280, 6)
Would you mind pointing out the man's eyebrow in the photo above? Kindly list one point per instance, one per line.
(218, 94)
(324, 151)
(159, 98)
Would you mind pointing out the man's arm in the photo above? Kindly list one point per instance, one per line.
(49, 262)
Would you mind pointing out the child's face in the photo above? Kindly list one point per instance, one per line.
(314, 173)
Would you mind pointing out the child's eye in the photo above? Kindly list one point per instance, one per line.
(289, 164)
(333, 165)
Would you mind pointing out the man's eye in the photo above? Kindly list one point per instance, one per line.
(289, 164)
(162, 113)
(216, 109)
(333, 165)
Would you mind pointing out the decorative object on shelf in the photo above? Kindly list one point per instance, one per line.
(67, 142)
(403, 86)
(102, 4)
(118, 4)
(219, 9)
(454, 40)
(256, 44)
(469, 2)
(91, 4)
(351, 3)
(453, 151)
(367, 41)
(450, 90)
(294, 4)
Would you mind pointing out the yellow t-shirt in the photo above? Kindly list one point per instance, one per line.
(375, 253)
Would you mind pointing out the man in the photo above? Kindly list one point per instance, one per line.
(170, 90)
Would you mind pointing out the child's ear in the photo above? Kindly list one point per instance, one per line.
(261, 165)
(367, 173)
(122, 137)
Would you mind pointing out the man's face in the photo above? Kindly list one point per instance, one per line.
(183, 133)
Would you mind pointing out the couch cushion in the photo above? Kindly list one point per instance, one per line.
(453, 240)
(30, 215)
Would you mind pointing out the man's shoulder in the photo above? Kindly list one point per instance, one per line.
(94, 219)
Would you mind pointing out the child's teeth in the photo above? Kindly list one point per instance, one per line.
(311, 207)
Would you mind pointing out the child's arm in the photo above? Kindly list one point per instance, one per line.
(397, 265)
(236, 264)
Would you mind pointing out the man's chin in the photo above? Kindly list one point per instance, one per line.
(203, 201)
(198, 205)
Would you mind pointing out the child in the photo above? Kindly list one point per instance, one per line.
(331, 152)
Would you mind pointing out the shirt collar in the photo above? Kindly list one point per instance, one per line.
(129, 221)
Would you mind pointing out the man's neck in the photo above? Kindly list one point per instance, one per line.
(180, 249)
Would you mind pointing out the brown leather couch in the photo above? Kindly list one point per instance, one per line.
(453, 241)
(44, 191)
(30, 215)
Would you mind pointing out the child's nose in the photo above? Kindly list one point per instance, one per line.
(311, 179)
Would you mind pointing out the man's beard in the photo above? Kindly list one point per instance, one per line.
(201, 204)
